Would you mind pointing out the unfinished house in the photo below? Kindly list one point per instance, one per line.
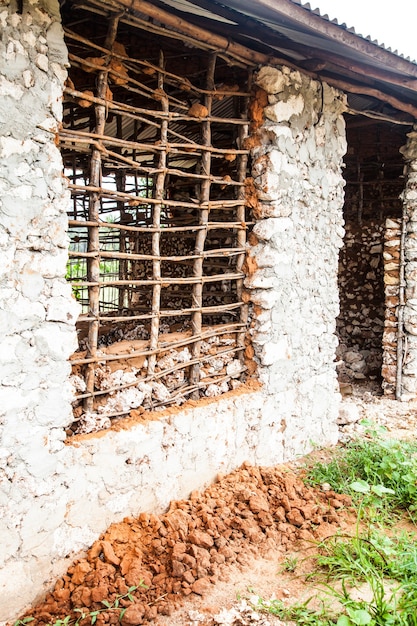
(178, 178)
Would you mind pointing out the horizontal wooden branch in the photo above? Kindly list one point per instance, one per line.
(164, 282)
(147, 64)
(139, 111)
(120, 195)
(374, 93)
(164, 229)
(161, 374)
(164, 313)
(214, 331)
(185, 148)
(226, 252)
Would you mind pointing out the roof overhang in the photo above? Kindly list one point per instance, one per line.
(260, 32)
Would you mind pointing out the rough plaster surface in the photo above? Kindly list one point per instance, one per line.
(409, 374)
(37, 312)
(297, 171)
(56, 498)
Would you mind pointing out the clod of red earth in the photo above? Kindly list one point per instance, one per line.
(184, 551)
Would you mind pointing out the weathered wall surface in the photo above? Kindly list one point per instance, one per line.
(56, 498)
(294, 257)
(37, 312)
(409, 372)
(360, 324)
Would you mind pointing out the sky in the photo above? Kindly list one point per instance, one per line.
(392, 23)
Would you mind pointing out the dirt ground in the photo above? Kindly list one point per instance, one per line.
(232, 534)
(192, 564)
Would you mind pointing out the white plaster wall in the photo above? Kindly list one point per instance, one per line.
(297, 171)
(409, 373)
(37, 312)
(56, 498)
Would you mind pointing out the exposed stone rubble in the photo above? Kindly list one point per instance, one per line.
(361, 320)
(364, 408)
(219, 371)
(184, 551)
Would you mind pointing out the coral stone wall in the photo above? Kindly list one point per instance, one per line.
(409, 372)
(295, 244)
(37, 311)
(55, 497)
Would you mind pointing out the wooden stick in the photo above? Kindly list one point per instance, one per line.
(219, 308)
(93, 263)
(138, 112)
(143, 63)
(160, 374)
(165, 171)
(170, 147)
(164, 281)
(156, 223)
(207, 254)
(221, 45)
(241, 234)
(214, 331)
(170, 229)
(374, 93)
(139, 88)
(197, 297)
(108, 193)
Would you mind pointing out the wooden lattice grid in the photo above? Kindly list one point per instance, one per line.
(157, 167)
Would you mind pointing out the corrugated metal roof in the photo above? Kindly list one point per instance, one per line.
(291, 32)
(351, 29)
(296, 33)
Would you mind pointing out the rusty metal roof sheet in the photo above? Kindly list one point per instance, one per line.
(351, 29)
(293, 30)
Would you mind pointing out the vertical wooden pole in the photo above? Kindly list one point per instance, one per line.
(156, 223)
(242, 168)
(197, 297)
(93, 264)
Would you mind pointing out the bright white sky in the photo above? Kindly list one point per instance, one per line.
(391, 22)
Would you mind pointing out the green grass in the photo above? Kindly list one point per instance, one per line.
(381, 477)
(369, 469)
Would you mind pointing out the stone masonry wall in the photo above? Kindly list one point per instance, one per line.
(37, 311)
(409, 372)
(55, 497)
(295, 244)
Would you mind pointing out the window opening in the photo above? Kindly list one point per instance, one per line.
(153, 144)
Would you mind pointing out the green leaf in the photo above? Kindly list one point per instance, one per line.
(359, 616)
(133, 588)
(380, 490)
(122, 612)
(344, 621)
(361, 486)
(93, 616)
(106, 603)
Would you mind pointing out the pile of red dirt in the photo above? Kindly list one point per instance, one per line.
(184, 551)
